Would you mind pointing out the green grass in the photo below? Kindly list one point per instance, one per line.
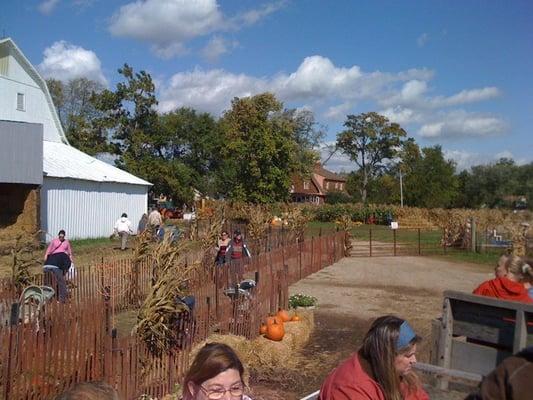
(489, 258)
(383, 233)
(88, 243)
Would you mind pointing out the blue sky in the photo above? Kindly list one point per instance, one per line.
(455, 73)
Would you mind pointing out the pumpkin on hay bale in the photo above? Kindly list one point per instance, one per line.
(263, 357)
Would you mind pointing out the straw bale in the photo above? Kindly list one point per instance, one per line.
(263, 357)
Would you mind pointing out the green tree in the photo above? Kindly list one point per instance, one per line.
(259, 150)
(371, 141)
(432, 181)
(308, 135)
(194, 139)
(77, 112)
(128, 114)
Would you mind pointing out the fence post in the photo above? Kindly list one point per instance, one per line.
(300, 258)
(13, 322)
(312, 253)
(419, 248)
(473, 237)
(217, 284)
(370, 240)
(394, 239)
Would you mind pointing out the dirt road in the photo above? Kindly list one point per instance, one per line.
(354, 291)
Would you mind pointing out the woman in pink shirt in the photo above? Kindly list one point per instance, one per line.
(59, 245)
(57, 260)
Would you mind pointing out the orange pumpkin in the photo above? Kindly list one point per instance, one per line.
(295, 318)
(284, 315)
(263, 329)
(275, 331)
(274, 318)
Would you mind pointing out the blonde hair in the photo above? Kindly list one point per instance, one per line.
(379, 348)
(519, 267)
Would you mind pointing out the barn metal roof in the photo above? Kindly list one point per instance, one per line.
(64, 161)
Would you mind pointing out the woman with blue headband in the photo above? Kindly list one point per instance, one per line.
(381, 369)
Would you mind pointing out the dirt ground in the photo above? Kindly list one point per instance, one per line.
(355, 291)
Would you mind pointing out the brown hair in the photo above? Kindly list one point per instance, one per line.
(211, 360)
(90, 391)
(379, 348)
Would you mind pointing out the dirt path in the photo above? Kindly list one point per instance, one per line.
(354, 291)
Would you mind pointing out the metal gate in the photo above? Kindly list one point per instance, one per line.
(383, 241)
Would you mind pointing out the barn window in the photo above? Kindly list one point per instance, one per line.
(20, 101)
(306, 185)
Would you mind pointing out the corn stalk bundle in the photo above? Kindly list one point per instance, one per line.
(210, 237)
(346, 224)
(258, 222)
(22, 260)
(296, 221)
(140, 253)
(159, 315)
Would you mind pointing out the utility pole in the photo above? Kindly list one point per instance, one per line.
(401, 189)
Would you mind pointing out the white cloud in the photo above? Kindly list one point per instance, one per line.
(333, 91)
(466, 96)
(504, 154)
(422, 40)
(464, 159)
(463, 124)
(338, 112)
(46, 7)
(216, 47)
(209, 91)
(316, 81)
(401, 115)
(66, 61)
(252, 16)
(338, 161)
(169, 24)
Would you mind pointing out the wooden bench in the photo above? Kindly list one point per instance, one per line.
(476, 333)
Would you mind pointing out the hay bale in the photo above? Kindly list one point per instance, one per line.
(263, 357)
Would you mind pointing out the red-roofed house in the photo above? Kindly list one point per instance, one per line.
(315, 188)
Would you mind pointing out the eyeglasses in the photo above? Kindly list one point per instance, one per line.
(218, 393)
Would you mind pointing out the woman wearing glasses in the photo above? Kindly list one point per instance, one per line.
(215, 374)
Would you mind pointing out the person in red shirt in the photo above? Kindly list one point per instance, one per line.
(381, 369)
(509, 286)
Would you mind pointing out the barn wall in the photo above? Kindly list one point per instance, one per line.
(88, 209)
(21, 153)
(19, 214)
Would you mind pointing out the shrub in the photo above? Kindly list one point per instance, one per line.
(302, 300)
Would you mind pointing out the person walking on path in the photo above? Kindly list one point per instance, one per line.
(123, 229)
(237, 248)
(222, 246)
(154, 221)
(57, 261)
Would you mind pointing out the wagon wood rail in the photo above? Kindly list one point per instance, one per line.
(77, 341)
(475, 334)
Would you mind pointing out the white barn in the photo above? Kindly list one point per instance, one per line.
(79, 193)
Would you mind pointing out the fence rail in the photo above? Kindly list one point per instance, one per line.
(76, 342)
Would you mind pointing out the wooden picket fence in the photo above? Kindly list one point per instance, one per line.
(77, 341)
